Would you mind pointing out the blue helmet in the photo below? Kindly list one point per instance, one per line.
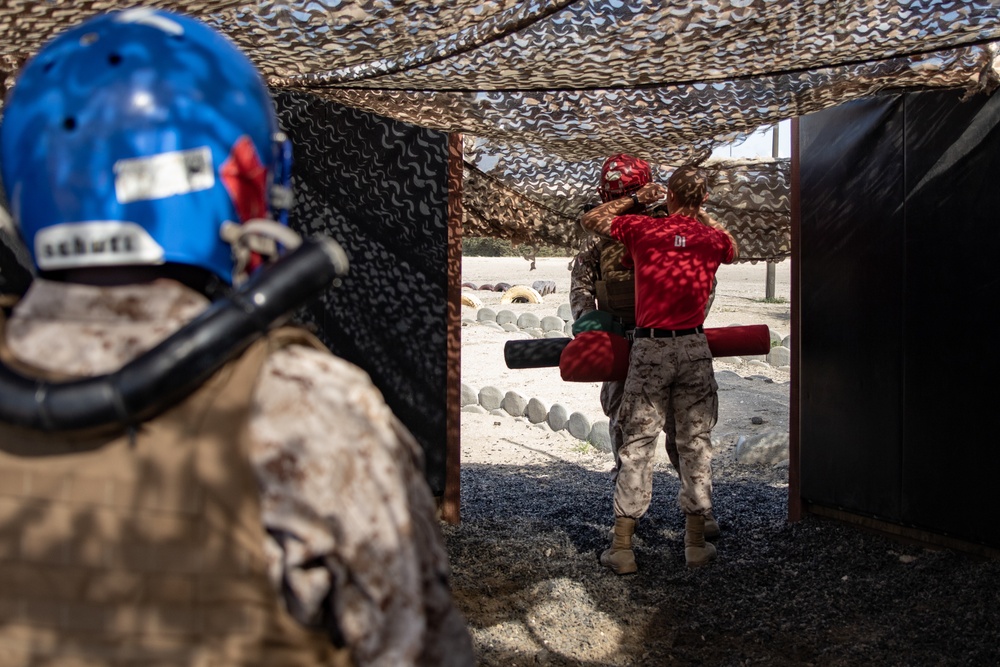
(133, 138)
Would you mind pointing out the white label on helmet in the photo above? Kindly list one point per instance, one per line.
(148, 16)
(95, 243)
(164, 175)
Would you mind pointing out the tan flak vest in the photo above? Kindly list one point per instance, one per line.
(616, 287)
(145, 550)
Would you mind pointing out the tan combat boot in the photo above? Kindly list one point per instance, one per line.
(697, 551)
(620, 558)
(711, 526)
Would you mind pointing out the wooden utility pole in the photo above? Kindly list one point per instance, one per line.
(769, 283)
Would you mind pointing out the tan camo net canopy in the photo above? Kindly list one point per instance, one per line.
(543, 91)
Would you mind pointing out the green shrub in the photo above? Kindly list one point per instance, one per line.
(484, 246)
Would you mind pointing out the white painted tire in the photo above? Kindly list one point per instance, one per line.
(521, 294)
(471, 301)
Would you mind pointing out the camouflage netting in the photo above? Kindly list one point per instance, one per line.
(751, 197)
(543, 91)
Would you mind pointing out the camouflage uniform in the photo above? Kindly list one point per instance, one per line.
(584, 274)
(671, 384)
(353, 543)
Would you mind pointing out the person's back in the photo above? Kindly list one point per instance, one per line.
(670, 382)
(676, 258)
(137, 546)
(276, 515)
(603, 276)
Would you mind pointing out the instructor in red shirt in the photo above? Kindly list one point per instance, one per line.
(670, 368)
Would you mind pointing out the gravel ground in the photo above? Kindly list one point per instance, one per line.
(536, 513)
(816, 592)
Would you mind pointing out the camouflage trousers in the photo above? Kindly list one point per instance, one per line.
(612, 392)
(670, 386)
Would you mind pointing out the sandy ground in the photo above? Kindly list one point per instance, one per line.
(740, 299)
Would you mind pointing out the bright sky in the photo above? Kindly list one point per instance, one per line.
(759, 144)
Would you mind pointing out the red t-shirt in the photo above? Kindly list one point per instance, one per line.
(675, 260)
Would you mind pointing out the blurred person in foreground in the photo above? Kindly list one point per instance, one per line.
(602, 277)
(276, 515)
(670, 375)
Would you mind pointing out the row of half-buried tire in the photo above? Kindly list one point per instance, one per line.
(489, 287)
(515, 294)
(522, 293)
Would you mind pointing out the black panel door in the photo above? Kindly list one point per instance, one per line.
(899, 222)
(950, 457)
(851, 310)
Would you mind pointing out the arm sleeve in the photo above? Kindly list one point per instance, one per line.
(583, 278)
(729, 245)
(355, 545)
(620, 227)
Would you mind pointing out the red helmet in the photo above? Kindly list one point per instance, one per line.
(622, 175)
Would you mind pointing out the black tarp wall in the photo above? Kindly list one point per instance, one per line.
(898, 228)
(380, 188)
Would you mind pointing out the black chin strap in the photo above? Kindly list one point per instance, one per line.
(166, 374)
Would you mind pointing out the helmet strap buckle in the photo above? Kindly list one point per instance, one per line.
(256, 242)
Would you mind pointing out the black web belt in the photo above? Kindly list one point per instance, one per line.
(647, 332)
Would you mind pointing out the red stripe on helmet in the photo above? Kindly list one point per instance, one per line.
(245, 179)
